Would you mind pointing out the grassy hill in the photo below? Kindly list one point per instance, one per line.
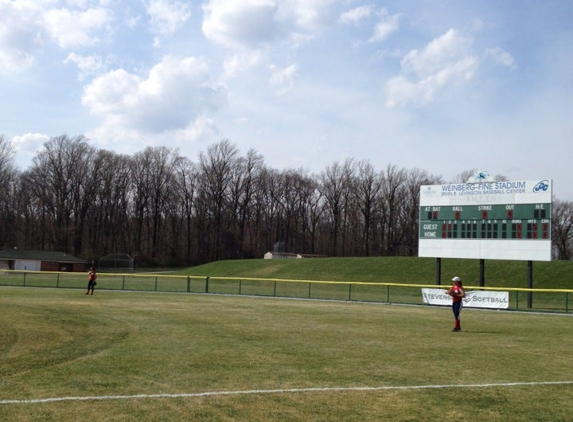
(554, 274)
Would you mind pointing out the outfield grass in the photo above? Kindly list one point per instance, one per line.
(376, 279)
(413, 270)
(110, 357)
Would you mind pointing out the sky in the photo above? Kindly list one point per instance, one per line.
(438, 85)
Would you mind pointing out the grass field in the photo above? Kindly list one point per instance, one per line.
(498, 273)
(134, 356)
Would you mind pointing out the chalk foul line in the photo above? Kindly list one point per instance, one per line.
(281, 391)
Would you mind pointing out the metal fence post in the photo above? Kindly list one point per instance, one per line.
(517, 301)
(207, 284)
(188, 284)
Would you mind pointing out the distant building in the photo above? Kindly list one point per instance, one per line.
(279, 253)
(31, 260)
(288, 255)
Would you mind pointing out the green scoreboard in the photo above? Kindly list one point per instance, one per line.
(506, 221)
(494, 220)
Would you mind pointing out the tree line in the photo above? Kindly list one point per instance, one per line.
(165, 209)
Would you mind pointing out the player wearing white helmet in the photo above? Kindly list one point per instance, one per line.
(457, 293)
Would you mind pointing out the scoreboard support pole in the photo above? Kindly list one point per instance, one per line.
(481, 272)
(482, 277)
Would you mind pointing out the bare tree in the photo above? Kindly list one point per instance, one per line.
(153, 179)
(394, 198)
(63, 177)
(266, 211)
(368, 191)
(245, 172)
(109, 217)
(336, 187)
(465, 176)
(309, 209)
(562, 228)
(287, 197)
(6, 157)
(185, 185)
(164, 207)
(216, 170)
(8, 185)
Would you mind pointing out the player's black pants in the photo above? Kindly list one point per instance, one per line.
(457, 308)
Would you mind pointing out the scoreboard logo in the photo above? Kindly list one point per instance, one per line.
(541, 186)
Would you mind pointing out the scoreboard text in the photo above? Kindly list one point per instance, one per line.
(509, 221)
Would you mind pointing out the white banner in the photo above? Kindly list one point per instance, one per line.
(473, 299)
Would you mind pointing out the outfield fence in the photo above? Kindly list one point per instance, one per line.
(523, 299)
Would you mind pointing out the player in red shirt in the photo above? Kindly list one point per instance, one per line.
(92, 277)
(457, 293)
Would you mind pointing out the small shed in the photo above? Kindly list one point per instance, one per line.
(281, 255)
(33, 260)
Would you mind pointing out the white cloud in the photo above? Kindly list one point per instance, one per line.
(248, 23)
(282, 79)
(132, 21)
(386, 26)
(128, 140)
(311, 15)
(500, 56)
(87, 65)
(167, 16)
(21, 34)
(175, 95)
(443, 61)
(439, 52)
(239, 62)
(255, 24)
(27, 146)
(73, 28)
(356, 15)
(27, 26)
(202, 127)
